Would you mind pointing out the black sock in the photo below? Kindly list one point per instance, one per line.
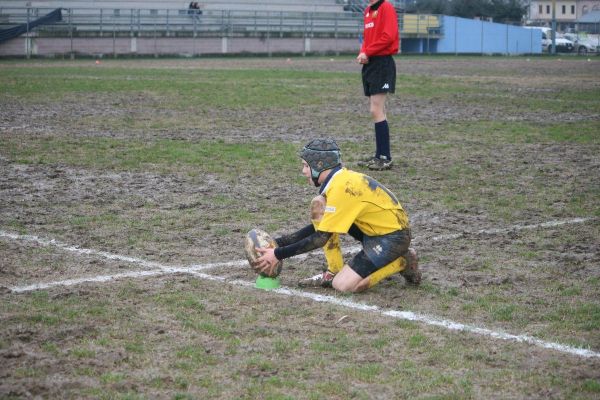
(382, 139)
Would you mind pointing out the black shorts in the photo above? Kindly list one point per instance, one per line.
(379, 75)
(379, 251)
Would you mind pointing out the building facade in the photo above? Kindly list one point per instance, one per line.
(567, 12)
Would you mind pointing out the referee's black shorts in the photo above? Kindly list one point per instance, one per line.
(379, 75)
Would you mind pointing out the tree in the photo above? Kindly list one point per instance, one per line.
(498, 10)
(471, 8)
(428, 7)
(508, 10)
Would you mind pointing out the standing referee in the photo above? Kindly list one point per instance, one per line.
(380, 42)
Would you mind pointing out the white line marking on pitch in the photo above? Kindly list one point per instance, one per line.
(451, 236)
(550, 224)
(155, 265)
(111, 256)
(411, 316)
(405, 315)
(195, 270)
(163, 270)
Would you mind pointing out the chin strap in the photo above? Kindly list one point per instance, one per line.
(315, 179)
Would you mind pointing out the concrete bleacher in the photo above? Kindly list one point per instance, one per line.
(147, 29)
(242, 5)
(158, 27)
(273, 16)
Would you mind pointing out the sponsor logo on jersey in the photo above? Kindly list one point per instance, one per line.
(369, 25)
(378, 249)
(386, 86)
(330, 209)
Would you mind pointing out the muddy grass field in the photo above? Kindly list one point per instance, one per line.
(126, 188)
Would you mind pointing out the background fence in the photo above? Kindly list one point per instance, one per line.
(206, 22)
(103, 32)
(221, 31)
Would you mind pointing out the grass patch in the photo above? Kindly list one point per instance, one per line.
(499, 131)
(584, 316)
(184, 89)
(112, 378)
(174, 165)
(591, 386)
(82, 353)
(369, 372)
(194, 357)
(220, 158)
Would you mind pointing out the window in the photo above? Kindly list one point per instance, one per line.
(116, 13)
(564, 9)
(153, 12)
(584, 10)
(547, 9)
(572, 10)
(540, 9)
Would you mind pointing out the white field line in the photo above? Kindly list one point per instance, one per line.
(550, 224)
(111, 256)
(163, 270)
(155, 265)
(195, 271)
(411, 316)
(78, 281)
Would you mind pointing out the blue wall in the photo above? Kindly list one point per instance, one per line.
(472, 36)
(419, 45)
(465, 36)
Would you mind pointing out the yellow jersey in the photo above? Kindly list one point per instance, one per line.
(355, 198)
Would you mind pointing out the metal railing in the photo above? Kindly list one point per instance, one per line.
(169, 22)
(173, 22)
(167, 31)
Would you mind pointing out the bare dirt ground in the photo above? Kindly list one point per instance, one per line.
(465, 262)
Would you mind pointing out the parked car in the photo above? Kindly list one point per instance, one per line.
(582, 45)
(563, 45)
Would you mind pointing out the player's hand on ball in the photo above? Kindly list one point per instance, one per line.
(259, 248)
(267, 262)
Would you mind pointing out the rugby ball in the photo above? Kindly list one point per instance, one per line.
(259, 238)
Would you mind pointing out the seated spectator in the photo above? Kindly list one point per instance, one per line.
(194, 10)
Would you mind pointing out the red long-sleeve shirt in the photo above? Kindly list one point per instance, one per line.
(381, 36)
